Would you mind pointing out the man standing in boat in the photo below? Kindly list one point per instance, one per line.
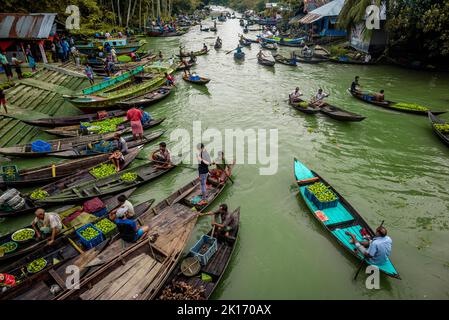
(376, 250)
(134, 115)
(204, 162)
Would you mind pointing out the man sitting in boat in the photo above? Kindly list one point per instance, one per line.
(162, 156)
(238, 49)
(376, 250)
(218, 41)
(261, 55)
(128, 229)
(124, 203)
(295, 95)
(222, 170)
(224, 221)
(121, 143)
(192, 57)
(355, 87)
(204, 47)
(117, 159)
(318, 99)
(47, 224)
(169, 80)
(307, 52)
(380, 96)
(194, 76)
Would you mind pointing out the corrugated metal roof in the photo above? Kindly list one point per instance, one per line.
(330, 9)
(26, 26)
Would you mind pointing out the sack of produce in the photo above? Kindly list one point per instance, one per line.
(14, 200)
(93, 205)
(11, 193)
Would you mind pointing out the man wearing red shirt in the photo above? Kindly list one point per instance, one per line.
(135, 115)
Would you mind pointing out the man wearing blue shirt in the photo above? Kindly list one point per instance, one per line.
(376, 250)
(129, 231)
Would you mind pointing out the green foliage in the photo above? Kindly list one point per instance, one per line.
(39, 194)
(443, 128)
(410, 106)
(37, 265)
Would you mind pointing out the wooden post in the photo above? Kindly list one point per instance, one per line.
(44, 56)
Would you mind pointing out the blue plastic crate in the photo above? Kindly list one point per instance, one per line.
(89, 244)
(320, 205)
(204, 258)
(100, 212)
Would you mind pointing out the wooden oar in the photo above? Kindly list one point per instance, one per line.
(231, 51)
(364, 258)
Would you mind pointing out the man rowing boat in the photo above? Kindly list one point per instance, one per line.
(318, 99)
(376, 250)
(295, 95)
(355, 87)
(222, 170)
(162, 156)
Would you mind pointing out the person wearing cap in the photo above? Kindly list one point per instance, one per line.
(128, 228)
(377, 250)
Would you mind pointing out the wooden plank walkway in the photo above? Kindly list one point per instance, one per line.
(41, 94)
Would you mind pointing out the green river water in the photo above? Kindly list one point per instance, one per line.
(389, 167)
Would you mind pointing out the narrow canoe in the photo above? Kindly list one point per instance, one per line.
(387, 104)
(310, 60)
(174, 221)
(59, 186)
(215, 267)
(266, 62)
(309, 109)
(84, 150)
(251, 40)
(34, 244)
(165, 34)
(443, 136)
(349, 61)
(181, 66)
(202, 80)
(245, 43)
(196, 53)
(146, 99)
(269, 46)
(82, 190)
(339, 219)
(340, 114)
(67, 121)
(58, 145)
(44, 174)
(75, 131)
(282, 60)
(63, 253)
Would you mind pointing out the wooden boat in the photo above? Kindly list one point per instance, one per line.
(387, 104)
(251, 40)
(72, 120)
(269, 46)
(44, 174)
(245, 43)
(282, 60)
(340, 114)
(339, 219)
(110, 202)
(59, 186)
(218, 45)
(204, 29)
(347, 60)
(173, 219)
(121, 46)
(182, 67)
(201, 81)
(310, 60)
(146, 99)
(443, 136)
(85, 151)
(215, 267)
(65, 251)
(213, 29)
(291, 41)
(57, 145)
(158, 33)
(266, 62)
(75, 131)
(239, 55)
(308, 109)
(195, 53)
(81, 191)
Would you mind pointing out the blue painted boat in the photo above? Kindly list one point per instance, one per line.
(338, 219)
(239, 55)
(281, 41)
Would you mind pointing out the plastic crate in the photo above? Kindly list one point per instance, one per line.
(111, 232)
(100, 213)
(89, 244)
(10, 173)
(320, 205)
(204, 258)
